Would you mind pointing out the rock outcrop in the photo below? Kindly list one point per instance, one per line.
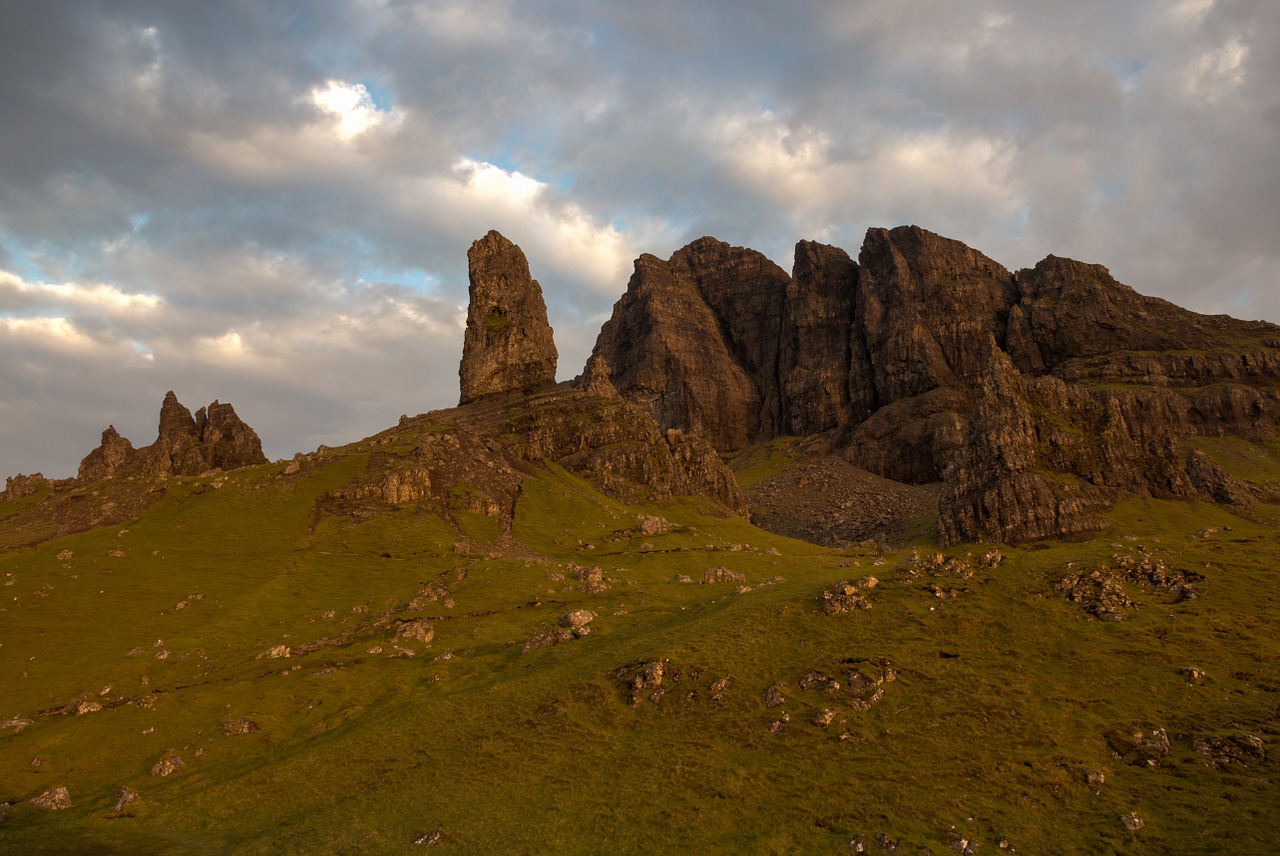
(113, 454)
(1037, 398)
(665, 352)
(215, 438)
(508, 345)
(22, 486)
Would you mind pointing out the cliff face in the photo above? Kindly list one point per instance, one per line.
(1037, 398)
(666, 354)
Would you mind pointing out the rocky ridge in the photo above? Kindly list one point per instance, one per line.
(1037, 398)
(1029, 402)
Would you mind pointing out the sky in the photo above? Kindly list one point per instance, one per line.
(270, 203)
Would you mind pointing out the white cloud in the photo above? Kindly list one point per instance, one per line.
(553, 232)
(351, 106)
(1218, 71)
(73, 295)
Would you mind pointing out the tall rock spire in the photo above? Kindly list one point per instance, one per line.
(508, 345)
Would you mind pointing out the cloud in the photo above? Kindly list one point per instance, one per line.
(271, 204)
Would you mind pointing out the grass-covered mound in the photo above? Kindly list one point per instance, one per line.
(343, 677)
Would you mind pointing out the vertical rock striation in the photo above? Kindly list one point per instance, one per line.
(1038, 398)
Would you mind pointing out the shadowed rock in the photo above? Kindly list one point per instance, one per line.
(185, 446)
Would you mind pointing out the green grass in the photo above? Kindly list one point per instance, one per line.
(509, 752)
(1255, 462)
(763, 460)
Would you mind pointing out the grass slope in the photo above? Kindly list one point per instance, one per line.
(1003, 702)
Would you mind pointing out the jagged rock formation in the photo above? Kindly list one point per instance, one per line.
(507, 346)
(112, 455)
(1037, 398)
(22, 486)
(215, 438)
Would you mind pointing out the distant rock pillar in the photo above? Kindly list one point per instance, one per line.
(508, 346)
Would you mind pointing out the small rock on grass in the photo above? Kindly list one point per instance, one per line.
(168, 764)
(239, 726)
(54, 799)
(430, 838)
(125, 798)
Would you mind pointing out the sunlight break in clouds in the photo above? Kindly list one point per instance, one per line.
(351, 106)
(555, 233)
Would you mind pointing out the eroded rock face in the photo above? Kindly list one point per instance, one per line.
(1038, 399)
(618, 447)
(508, 344)
(666, 353)
(823, 365)
(748, 295)
(928, 306)
(1068, 309)
(111, 456)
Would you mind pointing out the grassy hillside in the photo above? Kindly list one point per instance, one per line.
(968, 703)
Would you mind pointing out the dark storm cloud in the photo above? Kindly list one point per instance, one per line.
(270, 202)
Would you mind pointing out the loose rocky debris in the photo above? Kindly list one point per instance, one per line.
(170, 763)
(1142, 745)
(960, 844)
(771, 581)
(18, 725)
(861, 688)
(54, 799)
(417, 629)
(661, 681)
(591, 579)
(938, 565)
(1102, 593)
(774, 696)
(274, 653)
(1132, 822)
(827, 500)
(430, 838)
(643, 679)
(572, 625)
(844, 596)
(650, 525)
(1194, 675)
(239, 726)
(1094, 778)
(1219, 752)
(124, 798)
(723, 575)
(548, 638)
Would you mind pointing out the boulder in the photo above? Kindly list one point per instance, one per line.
(54, 799)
